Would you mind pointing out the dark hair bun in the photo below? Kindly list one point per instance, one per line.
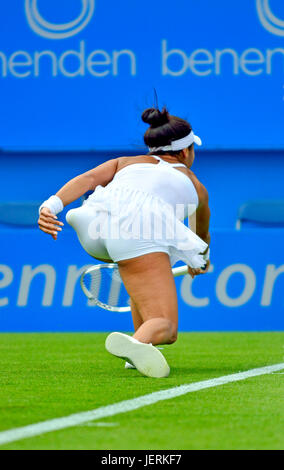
(155, 118)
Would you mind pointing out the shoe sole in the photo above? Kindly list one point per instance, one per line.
(147, 359)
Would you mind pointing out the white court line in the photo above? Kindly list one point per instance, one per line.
(37, 429)
(99, 425)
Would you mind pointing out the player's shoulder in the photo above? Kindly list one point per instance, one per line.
(199, 186)
(123, 161)
(132, 157)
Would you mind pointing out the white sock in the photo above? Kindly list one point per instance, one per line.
(129, 366)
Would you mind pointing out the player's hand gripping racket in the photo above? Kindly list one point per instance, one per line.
(103, 285)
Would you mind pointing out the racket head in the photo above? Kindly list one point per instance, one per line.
(103, 285)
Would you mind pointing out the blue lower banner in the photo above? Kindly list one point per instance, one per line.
(40, 289)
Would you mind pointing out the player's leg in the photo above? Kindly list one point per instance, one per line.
(137, 322)
(136, 316)
(150, 284)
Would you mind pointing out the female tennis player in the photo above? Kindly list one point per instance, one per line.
(146, 191)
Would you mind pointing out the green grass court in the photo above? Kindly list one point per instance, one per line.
(45, 376)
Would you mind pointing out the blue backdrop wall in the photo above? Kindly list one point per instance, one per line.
(39, 288)
(242, 175)
(78, 74)
(75, 75)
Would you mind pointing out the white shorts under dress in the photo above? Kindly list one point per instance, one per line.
(129, 218)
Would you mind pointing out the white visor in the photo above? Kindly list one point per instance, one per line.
(179, 144)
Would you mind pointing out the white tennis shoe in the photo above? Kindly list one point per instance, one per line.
(147, 359)
(127, 365)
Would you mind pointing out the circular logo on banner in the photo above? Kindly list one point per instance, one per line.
(270, 22)
(58, 31)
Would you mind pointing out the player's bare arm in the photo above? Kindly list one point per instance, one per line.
(202, 219)
(74, 189)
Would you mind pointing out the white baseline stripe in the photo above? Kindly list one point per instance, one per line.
(37, 429)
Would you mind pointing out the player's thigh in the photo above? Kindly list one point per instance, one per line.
(149, 282)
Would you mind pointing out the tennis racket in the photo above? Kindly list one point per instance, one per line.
(103, 286)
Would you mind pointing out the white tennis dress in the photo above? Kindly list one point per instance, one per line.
(140, 211)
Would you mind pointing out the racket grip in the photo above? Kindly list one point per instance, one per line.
(183, 270)
(180, 271)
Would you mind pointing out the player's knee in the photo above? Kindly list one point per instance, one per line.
(172, 332)
(173, 337)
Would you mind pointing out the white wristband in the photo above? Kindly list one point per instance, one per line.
(54, 204)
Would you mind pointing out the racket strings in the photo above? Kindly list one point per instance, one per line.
(105, 287)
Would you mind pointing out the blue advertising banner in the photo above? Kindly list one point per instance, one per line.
(40, 291)
(78, 73)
